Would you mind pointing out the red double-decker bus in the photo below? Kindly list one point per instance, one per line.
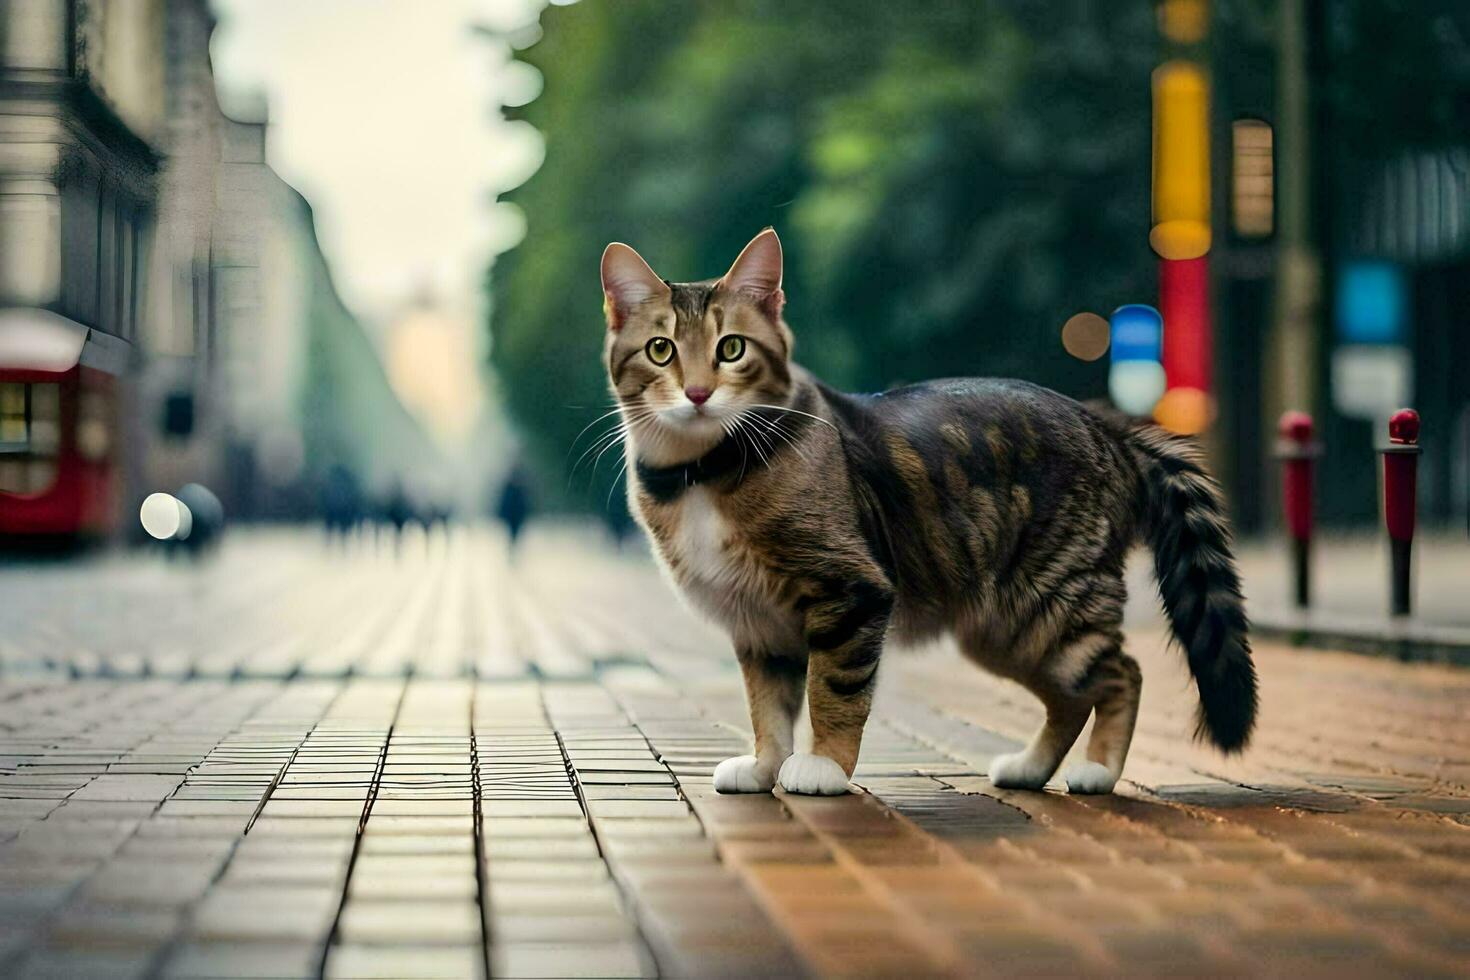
(59, 438)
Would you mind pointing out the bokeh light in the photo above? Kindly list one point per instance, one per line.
(1373, 302)
(1137, 333)
(1086, 336)
(1184, 21)
(1135, 386)
(165, 518)
(1253, 178)
(1136, 377)
(1181, 173)
(1184, 303)
(1187, 411)
(1180, 239)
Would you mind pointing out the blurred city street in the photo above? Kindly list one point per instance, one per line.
(318, 657)
(378, 758)
(1351, 576)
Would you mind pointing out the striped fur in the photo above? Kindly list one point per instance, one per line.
(813, 525)
(1190, 537)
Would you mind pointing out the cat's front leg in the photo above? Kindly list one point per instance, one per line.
(773, 686)
(845, 635)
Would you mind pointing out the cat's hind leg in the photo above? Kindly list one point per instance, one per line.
(1114, 683)
(1075, 676)
(1034, 765)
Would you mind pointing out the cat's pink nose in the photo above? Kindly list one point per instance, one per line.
(697, 395)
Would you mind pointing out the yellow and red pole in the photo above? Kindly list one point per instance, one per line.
(1181, 228)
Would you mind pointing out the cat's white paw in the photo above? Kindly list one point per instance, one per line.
(812, 775)
(743, 774)
(1089, 777)
(1017, 770)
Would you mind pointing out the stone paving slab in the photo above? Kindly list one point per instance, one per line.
(552, 814)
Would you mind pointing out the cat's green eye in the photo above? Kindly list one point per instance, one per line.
(660, 350)
(732, 348)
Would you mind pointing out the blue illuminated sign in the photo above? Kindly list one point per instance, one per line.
(1372, 303)
(1137, 333)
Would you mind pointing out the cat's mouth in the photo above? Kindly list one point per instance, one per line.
(690, 413)
(692, 418)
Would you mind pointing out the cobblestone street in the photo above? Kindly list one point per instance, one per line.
(362, 760)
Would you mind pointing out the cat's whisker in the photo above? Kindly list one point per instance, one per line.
(572, 475)
(797, 411)
(745, 427)
(774, 428)
(631, 420)
(612, 437)
(612, 409)
(655, 435)
(618, 428)
(640, 418)
(623, 468)
(728, 427)
(622, 437)
(589, 425)
(612, 432)
(768, 429)
(763, 444)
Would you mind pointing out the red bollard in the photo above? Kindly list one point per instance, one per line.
(1400, 486)
(1298, 454)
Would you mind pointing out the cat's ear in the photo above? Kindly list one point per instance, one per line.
(756, 274)
(627, 281)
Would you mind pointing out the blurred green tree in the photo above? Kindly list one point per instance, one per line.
(951, 182)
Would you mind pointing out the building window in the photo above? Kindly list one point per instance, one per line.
(122, 268)
(1253, 179)
(15, 418)
(30, 436)
(135, 249)
(94, 426)
(30, 418)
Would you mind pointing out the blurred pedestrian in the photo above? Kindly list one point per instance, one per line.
(341, 502)
(397, 511)
(619, 523)
(514, 507)
(206, 520)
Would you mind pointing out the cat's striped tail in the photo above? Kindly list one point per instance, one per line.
(1186, 527)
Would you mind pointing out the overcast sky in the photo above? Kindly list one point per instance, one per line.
(384, 114)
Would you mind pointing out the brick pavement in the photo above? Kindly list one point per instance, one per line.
(305, 762)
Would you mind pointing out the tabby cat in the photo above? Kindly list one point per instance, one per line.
(812, 525)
